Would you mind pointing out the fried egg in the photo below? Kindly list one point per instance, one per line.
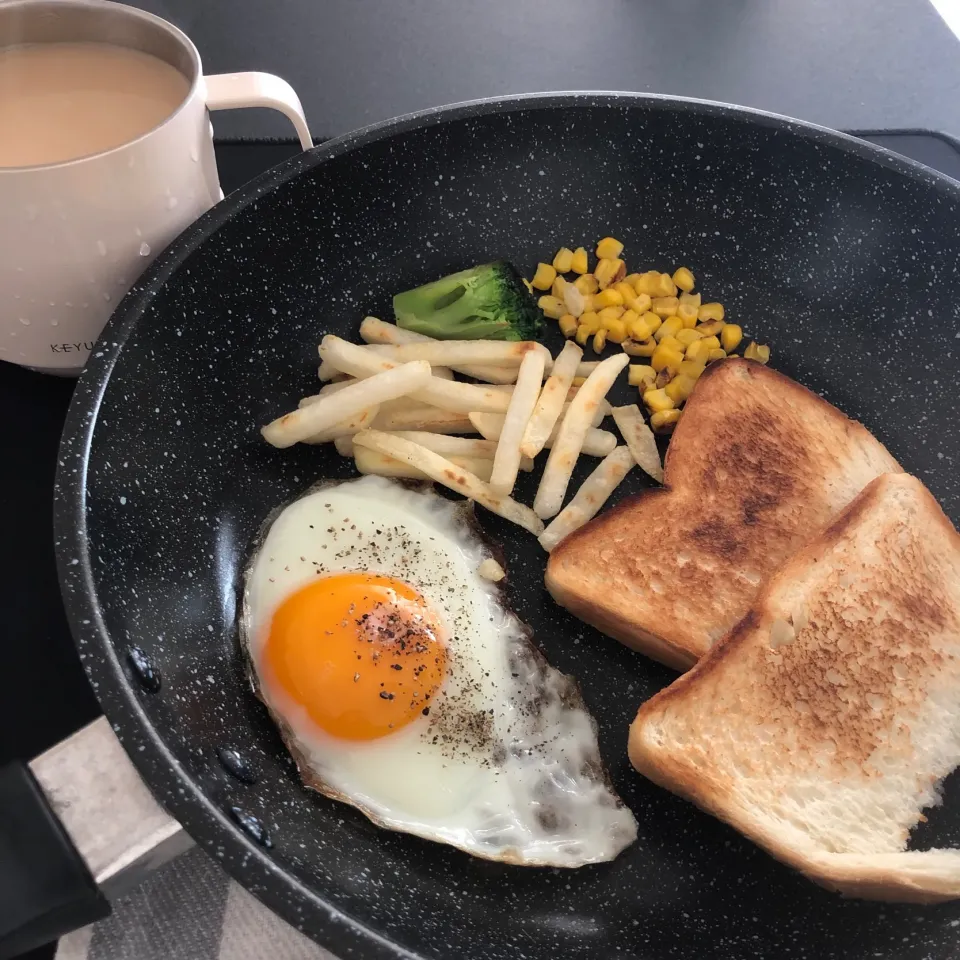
(403, 685)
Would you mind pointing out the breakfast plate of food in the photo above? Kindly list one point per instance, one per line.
(549, 505)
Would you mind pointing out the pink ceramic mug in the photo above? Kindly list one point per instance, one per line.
(74, 236)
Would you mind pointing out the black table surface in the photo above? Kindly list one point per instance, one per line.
(44, 695)
(847, 64)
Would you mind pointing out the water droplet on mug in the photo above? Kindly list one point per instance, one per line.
(19, 269)
(106, 295)
(138, 231)
(52, 303)
(67, 303)
(32, 211)
(194, 156)
(172, 202)
(144, 249)
(25, 321)
(131, 160)
(85, 304)
(101, 248)
(55, 323)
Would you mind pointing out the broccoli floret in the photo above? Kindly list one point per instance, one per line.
(488, 302)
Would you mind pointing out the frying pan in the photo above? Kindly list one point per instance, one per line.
(844, 257)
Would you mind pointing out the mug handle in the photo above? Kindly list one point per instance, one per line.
(231, 91)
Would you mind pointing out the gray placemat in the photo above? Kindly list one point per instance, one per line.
(190, 910)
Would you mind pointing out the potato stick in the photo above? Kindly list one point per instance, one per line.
(640, 439)
(452, 352)
(444, 373)
(550, 404)
(450, 475)
(424, 417)
(506, 463)
(584, 368)
(344, 446)
(591, 496)
(369, 461)
(376, 331)
(326, 390)
(452, 446)
(446, 394)
(596, 443)
(320, 416)
(573, 428)
(346, 428)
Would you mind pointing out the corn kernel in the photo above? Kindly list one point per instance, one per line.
(648, 283)
(609, 249)
(666, 358)
(687, 336)
(625, 290)
(639, 302)
(610, 313)
(557, 288)
(616, 331)
(657, 400)
(579, 263)
(588, 303)
(568, 325)
(552, 307)
(640, 373)
(563, 261)
(640, 348)
(638, 328)
(711, 328)
(663, 421)
(721, 354)
(599, 340)
(544, 277)
(582, 335)
(628, 316)
(608, 298)
(687, 311)
(666, 288)
(587, 284)
(655, 322)
(710, 311)
(730, 337)
(691, 369)
(679, 388)
(665, 306)
(711, 343)
(697, 351)
(756, 351)
(672, 343)
(632, 279)
(663, 378)
(669, 327)
(609, 271)
(683, 278)
(591, 321)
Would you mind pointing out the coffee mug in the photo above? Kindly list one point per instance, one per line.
(75, 235)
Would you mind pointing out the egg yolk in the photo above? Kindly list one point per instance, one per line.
(361, 653)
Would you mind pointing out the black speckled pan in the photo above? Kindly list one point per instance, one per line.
(844, 257)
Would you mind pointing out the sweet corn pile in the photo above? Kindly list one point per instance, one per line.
(652, 315)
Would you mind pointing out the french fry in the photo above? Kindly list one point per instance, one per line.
(376, 331)
(452, 447)
(346, 428)
(311, 420)
(370, 461)
(584, 367)
(424, 417)
(489, 569)
(591, 496)
(506, 463)
(596, 443)
(640, 439)
(450, 475)
(573, 428)
(326, 390)
(344, 445)
(454, 353)
(550, 403)
(446, 394)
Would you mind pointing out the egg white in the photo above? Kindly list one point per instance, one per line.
(498, 767)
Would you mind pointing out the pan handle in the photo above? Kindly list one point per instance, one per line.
(78, 828)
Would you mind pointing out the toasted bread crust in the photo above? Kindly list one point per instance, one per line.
(856, 698)
(757, 467)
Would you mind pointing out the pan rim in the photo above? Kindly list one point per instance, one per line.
(249, 863)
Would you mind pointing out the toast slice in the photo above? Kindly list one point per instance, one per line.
(822, 725)
(757, 467)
